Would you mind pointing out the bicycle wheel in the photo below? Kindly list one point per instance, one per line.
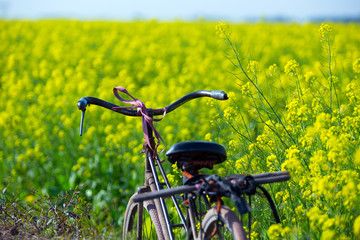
(149, 227)
(225, 226)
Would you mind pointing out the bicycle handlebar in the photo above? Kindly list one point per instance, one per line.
(258, 179)
(85, 101)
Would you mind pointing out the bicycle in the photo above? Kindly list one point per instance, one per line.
(147, 206)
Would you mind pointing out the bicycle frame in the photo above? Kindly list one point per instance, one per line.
(152, 181)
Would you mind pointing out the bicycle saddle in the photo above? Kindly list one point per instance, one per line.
(204, 154)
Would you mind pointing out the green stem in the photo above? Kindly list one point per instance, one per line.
(257, 88)
(273, 128)
(331, 82)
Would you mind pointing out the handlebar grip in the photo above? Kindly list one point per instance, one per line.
(219, 95)
(271, 177)
(82, 103)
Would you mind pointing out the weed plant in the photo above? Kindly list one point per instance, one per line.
(66, 216)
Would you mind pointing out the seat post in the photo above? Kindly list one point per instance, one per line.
(188, 170)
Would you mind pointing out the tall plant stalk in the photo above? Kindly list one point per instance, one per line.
(262, 96)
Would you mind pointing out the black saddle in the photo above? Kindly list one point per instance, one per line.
(196, 154)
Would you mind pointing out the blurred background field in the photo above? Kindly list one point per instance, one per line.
(293, 105)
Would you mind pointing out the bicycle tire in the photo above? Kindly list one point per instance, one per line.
(230, 227)
(149, 216)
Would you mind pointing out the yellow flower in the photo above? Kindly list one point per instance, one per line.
(357, 157)
(82, 160)
(230, 113)
(222, 171)
(222, 30)
(300, 210)
(270, 160)
(233, 144)
(76, 167)
(356, 65)
(253, 67)
(285, 231)
(328, 234)
(293, 161)
(171, 178)
(245, 89)
(274, 71)
(328, 224)
(310, 77)
(325, 31)
(208, 137)
(356, 227)
(274, 231)
(61, 134)
(292, 68)
(316, 217)
(232, 96)
(352, 94)
(29, 199)
(240, 163)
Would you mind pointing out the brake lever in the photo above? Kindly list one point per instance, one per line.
(82, 121)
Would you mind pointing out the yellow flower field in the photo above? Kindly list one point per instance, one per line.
(293, 105)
